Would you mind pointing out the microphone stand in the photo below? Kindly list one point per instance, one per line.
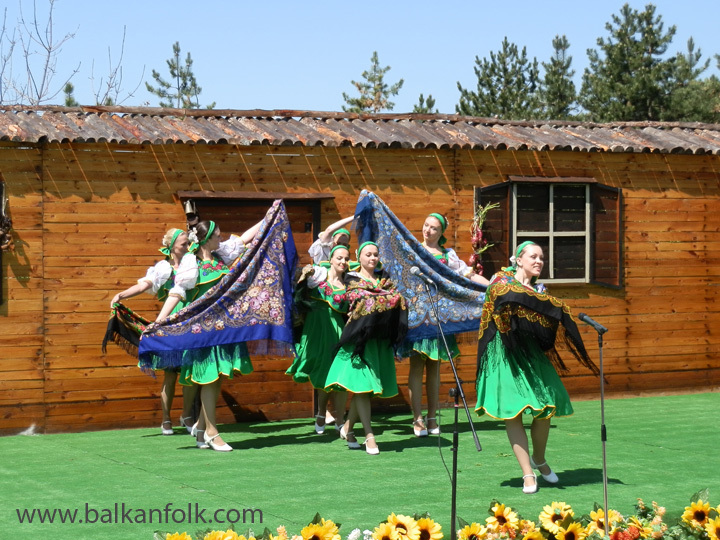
(458, 394)
(603, 431)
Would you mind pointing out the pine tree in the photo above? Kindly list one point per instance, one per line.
(182, 91)
(692, 99)
(628, 79)
(70, 100)
(557, 93)
(425, 106)
(374, 92)
(507, 86)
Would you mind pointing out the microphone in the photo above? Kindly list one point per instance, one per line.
(415, 271)
(597, 326)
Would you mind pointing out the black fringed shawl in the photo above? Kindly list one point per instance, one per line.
(124, 328)
(519, 314)
(376, 312)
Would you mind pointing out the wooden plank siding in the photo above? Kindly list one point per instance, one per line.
(88, 219)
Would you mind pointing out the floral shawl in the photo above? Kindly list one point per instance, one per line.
(377, 311)
(124, 329)
(458, 298)
(252, 304)
(520, 314)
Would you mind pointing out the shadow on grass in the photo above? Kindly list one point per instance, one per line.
(568, 478)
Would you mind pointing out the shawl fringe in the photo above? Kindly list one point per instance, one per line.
(526, 315)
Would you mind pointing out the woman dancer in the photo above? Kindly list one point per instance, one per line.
(516, 353)
(210, 366)
(173, 276)
(335, 235)
(323, 291)
(365, 361)
(426, 354)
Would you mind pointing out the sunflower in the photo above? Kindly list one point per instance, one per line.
(574, 531)
(331, 530)
(221, 535)
(178, 536)
(429, 530)
(474, 531)
(696, 515)
(597, 523)
(645, 531)
(407, 528)
(504, 519)
(713, 528)
(314, 531)
(554, 514)
(533, 535)
(385, 531)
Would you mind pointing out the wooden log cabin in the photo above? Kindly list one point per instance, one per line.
(628, 214)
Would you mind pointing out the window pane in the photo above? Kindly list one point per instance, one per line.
(533, 207)
(569, 208)
(569, 258)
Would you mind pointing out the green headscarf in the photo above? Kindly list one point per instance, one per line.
(167, 250)
(443, 226)
(342, 231)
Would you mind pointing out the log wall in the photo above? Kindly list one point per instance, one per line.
(88, 219)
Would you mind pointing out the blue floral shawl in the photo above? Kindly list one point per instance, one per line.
(251, 304)
(459, 299)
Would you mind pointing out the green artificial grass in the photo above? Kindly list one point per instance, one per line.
(658, 448)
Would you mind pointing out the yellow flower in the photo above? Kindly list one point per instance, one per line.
(574, 531)
(314, 531)
(178, 536)
(645, 531)
(696, 515)
(713, 528)
(405, 526)
(221, 535)
(474, 531)
(429, 530)
(554, 514)
(503, 520)
(533, 535)
(597, 523)
(331, 530)
(385, 531)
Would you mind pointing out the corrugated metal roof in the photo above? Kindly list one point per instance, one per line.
(310, 128)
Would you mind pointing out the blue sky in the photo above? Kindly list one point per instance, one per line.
(302, 55)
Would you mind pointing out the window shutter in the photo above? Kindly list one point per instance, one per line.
(607, 228)
(497, 226)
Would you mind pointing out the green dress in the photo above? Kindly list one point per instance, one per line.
(214, 362)
(373, 373)
(521, 380)
(185, 278)
(321, 331)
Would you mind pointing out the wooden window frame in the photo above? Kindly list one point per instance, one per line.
(603, 228)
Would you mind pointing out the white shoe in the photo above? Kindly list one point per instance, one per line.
(530, 489)
(372, 451)
(419, 429)
(435, 430)
(552, 478)
(219, 447)
(183, 424)
(167, 431)
(318, 428)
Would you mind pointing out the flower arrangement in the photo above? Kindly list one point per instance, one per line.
(479, 242)
(557, 521)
